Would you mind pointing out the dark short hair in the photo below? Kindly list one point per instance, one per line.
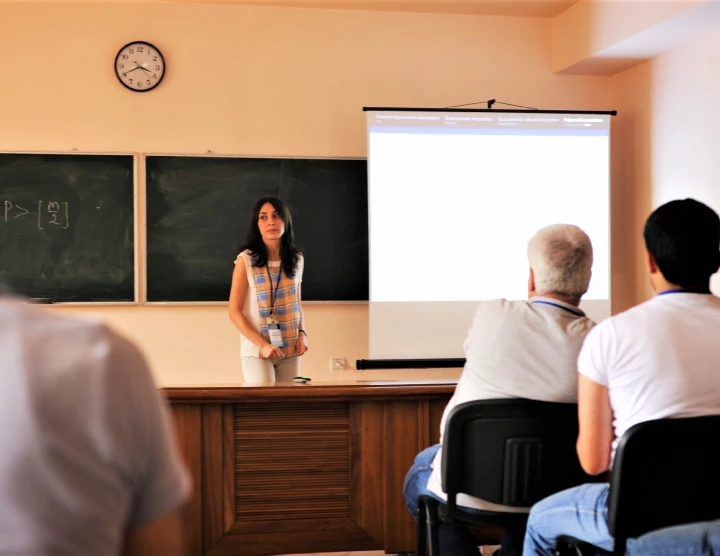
(684, 238)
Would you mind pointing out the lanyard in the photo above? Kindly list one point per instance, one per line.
(273, 295)
(576, 313)
(689, 290)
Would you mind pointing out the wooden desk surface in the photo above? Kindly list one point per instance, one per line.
(310, 391)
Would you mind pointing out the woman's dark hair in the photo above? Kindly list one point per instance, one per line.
(289, 253)
(684, 238)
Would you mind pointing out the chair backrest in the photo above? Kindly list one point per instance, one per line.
(513, 452)
(665, 473)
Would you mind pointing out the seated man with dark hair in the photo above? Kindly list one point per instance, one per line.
(655, 361)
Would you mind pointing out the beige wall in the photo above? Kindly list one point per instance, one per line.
(601, 37)
(256, 81)
(631, 185)
(666, 143)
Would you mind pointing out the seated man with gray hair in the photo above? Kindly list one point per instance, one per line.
(517, 349)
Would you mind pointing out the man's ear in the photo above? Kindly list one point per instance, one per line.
(652, 265)
(531, 282)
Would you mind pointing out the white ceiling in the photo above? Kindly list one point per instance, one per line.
(517, 8)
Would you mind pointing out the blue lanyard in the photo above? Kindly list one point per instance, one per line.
(576, 313)
(273, 296)
(689, 290)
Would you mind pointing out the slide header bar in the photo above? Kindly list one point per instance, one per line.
(389, 109)
(488, 122)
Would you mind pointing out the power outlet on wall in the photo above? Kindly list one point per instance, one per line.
(337, 364)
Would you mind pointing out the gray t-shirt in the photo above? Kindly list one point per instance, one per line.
(87, 450)
(517, 349)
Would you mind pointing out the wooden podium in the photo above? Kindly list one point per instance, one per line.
(290, 468)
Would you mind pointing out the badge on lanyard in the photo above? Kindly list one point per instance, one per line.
(275, 334)
(274, 330)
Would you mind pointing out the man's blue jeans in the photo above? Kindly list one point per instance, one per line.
(579, 512)
(455, 540)
(697, 539)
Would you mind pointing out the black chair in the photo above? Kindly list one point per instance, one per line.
(665, 473)
(513, 452)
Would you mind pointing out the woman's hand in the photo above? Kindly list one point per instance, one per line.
(269, 351)
(301, 346)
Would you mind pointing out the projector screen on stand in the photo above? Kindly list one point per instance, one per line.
(455, 195)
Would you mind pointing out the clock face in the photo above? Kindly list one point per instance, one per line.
(140, 66)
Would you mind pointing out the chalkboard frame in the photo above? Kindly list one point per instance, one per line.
(136, 226)
(210, 154)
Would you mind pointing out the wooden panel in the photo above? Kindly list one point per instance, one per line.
(212, 486)
(228, 466)
(366, 466)
(292, 462)
(189, 434)
(423, 420)
(401, 433)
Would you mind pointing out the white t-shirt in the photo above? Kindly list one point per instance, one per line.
(517, 349)
(659, 359)
(87, 445)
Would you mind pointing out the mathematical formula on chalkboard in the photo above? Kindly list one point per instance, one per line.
(67, 227)
(47, 214)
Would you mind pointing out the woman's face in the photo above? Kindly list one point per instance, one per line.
(270, 224)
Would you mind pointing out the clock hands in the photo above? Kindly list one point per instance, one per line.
(137, 67)
(140, 66)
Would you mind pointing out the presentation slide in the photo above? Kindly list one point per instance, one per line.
(454, 197)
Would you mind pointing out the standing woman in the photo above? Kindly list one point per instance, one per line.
(265, 296)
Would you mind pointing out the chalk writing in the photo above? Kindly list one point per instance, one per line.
(55, 213)
(8, 206)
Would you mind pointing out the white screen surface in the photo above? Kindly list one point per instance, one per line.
(454, 198)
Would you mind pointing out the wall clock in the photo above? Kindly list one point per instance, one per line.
(140, 66)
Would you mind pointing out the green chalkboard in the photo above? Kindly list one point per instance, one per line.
(66, 226)
(198, 210)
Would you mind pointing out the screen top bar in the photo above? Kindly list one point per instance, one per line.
(405, 109)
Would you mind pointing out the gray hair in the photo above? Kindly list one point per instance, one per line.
(561, 258)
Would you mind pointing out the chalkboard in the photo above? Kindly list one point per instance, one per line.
(199, 208)
(67, 226)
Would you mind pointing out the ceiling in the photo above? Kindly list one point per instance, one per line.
(516, 8)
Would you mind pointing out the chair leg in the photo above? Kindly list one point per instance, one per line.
(421, 529)
(619, 546)
(432, 519)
